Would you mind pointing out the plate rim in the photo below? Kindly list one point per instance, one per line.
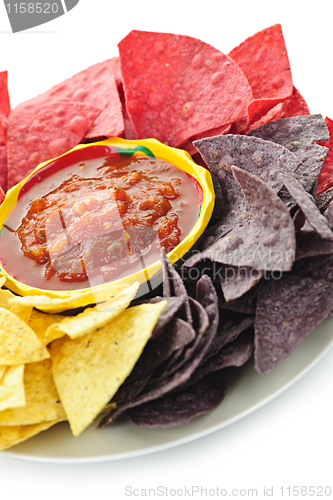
(176, 442)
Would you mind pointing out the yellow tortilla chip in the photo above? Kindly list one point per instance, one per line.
(73, 301)
(12, 393)
(40, 322)
(16, 434)
(42, 399)
(2, 280)
(21, 310)
(2, 371)
(88, 371)
(91, 318)
(5, 298)
(18, 342)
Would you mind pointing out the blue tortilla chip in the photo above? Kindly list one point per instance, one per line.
(265, 241)
(300, 134)
(288, 310)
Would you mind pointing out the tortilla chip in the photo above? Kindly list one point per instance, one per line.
(319, 267)
(256, 156)
(300, 135)
(236, 281)
(92, 318)
(22, 311)
(174, 304)
(4, 96)
(40, 322)
(324, 199)
(287, 311)
(2, 280)
(325, 180)
(179, 408)
(88, 371)
(264, 60)
(231, 325)
(42, 399)
(188, 144)
(174, 376)
(95, 86)
(3, 169)
(266, 239)
(328, 214)
(311, 244)
(12, 393)
(173, 286)
(235, 353)
(295, 105)
(241, 305)
(73, 301)
(305, 201)
(5, 297)
(18, 342)
(49, 131)
(175, 335)
(187, 87)
(9, 436)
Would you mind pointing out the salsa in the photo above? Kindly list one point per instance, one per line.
(99, 219)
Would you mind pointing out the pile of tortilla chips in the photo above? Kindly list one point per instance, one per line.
(270, 249)
(259, 280)
(66, 367)
(171, 87)
(184, 369)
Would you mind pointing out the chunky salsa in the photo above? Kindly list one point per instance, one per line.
(102, 218)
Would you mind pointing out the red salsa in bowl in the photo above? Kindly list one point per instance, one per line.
(97, 214)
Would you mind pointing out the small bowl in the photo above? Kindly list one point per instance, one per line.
(150, 147)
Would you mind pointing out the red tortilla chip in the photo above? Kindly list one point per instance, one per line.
(325, 179)
(177, 87)
(295, 105)
(4, 96)
(95, 86)
(2, 195)
(3, 128)
(273, 114)
(3, 167)
(110, 122)
(264, 60)
(39, 133)
(4, 107)
(128, 132)
(128, 127)
(188, 145)
(115, 65)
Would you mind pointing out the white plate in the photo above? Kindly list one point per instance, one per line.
(248, 392)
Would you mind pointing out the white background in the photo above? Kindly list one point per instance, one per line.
(289, 441)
